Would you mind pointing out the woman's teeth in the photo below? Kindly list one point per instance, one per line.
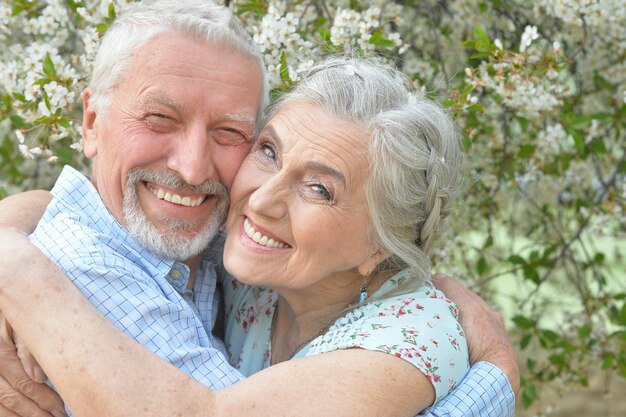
(259, 238)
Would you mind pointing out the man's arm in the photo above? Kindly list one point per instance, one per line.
(490, 387)
(24, 210)
(22, 391)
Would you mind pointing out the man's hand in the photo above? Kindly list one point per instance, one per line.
(20, 395)
(487, 337)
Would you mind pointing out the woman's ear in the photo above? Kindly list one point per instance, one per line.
(368, 266)
(90, 126)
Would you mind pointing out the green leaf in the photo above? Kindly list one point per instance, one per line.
(46, 99)
(584, 331)
(482, 42)
(378, 40)
(599, 258)
(621, 364)
(523, 322)
(525, 341)
(19, 97)
(526, 151)
(529, 395)
(257, 7)
(65, 123)
(284, 69)
(607, 360)
(48, 67)
(598, 146)
(550, 336)
(516, 260)
(481, 265)
(18, 122)
(530, 273)
(102, 27)
(325, 34)
(111, 17)
(65, 154)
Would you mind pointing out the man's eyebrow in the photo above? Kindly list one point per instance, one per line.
(315, 166)
(157, 98)
(241, 118)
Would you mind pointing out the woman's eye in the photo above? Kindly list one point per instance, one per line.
(322, 191)
(268, 151)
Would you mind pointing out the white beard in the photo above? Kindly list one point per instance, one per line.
(170, 244)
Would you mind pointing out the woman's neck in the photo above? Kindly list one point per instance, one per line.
(304, 314)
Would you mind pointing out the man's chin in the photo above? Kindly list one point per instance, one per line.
(172, 239)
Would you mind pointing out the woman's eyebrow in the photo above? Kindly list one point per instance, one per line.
(325, 169)
(315, 166)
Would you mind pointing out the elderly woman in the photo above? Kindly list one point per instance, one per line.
(332, 216)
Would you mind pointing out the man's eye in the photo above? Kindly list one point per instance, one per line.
(158, 121)
(157, 116)
(230, 137)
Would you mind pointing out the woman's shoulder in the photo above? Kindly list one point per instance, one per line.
(394, 299)
(419, 325)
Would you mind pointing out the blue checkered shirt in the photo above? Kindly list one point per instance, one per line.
(484, 392)
(146, 297)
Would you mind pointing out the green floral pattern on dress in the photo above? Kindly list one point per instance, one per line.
(420, 327)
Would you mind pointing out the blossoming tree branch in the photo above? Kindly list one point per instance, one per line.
(537, 87)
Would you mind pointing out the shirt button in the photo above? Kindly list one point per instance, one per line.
(175, 274)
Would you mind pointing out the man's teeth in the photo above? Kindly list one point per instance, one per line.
(260, 238)
(176, 199)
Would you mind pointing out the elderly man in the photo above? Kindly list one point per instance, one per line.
(168, 117)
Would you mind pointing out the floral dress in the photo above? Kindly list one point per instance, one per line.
(420, 327)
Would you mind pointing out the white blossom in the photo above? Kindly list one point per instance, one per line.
(530, 34)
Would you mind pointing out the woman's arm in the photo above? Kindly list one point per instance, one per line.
(24, 210)
(118, 377)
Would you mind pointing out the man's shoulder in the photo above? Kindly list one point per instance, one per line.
(68, 235)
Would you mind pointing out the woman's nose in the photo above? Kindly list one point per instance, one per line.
(270, 198)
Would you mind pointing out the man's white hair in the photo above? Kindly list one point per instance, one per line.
(202, 20)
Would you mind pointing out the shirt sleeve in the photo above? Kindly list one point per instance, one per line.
(144, 307)
(484, 392)
(423, 331)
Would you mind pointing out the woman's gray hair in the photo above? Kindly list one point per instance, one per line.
(202, 20)
(414, 149)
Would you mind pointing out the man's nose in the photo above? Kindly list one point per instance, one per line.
(193, 157)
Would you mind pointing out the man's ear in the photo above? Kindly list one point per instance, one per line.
(90, 126)
(366, 267)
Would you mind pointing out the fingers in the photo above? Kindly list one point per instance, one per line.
(19, 394)
(457, 293)
(28, 361)
(4, 412)
(16, 404)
